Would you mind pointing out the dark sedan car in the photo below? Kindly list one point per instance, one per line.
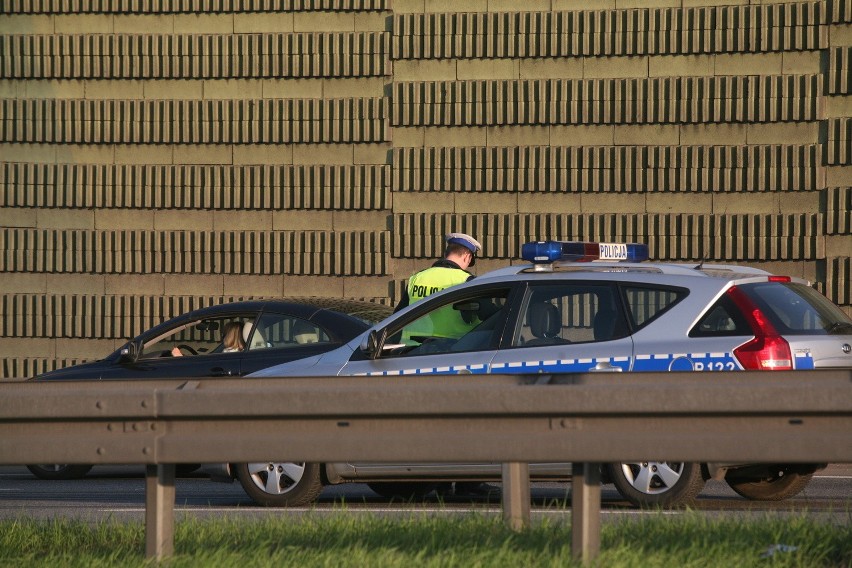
(192, 345)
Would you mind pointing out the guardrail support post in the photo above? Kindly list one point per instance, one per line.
(586, 511)
(159, 511)
(516, 495)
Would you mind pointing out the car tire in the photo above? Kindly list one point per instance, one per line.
(411, 491)
(59, 471)
(280, 484)
(778, 487)
(658, 484)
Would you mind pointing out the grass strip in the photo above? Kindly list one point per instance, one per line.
(687, 540)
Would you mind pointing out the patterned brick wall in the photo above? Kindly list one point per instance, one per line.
(162, 155)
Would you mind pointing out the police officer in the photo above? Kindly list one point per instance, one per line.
(459, 255)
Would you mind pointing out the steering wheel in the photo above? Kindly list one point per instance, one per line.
(185, 347)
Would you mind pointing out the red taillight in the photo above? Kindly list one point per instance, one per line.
(780, 279)
(768, 351)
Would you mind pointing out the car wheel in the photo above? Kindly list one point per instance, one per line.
(280, 484)
(59, 471)
(400, 490)
(657, 484)
(777, 487)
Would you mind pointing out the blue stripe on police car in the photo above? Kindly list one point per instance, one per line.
(647, 362)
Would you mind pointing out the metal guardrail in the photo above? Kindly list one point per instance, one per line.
(588, 419)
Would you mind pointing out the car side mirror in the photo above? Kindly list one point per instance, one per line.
(130, 352)
(468, 310)
(372, 344)
(469, 306)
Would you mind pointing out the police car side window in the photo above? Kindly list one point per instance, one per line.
(573, 312)
(721, 320)
(459, 324)
(647, 303)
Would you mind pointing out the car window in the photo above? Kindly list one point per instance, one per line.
(471, 323)
(647, 303)
(790, 307)
(200, 337)
(795, 308)
(281, 330)
(570, 312)
(721, 320)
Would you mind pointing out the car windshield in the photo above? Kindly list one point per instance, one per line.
(362, 310)
(370, 314)
(795, 308)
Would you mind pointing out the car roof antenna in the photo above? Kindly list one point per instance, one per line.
(701, 264)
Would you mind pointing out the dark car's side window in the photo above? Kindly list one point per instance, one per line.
(279, 330)
(199, 337)
(570, 312)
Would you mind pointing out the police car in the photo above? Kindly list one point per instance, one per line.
(601, 308)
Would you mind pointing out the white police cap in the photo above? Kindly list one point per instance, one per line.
(465, 240)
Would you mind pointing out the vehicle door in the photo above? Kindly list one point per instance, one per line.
(568, 326)
(415, 344)
(200, 345)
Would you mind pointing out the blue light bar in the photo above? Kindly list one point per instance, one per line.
(542, 252)
(546, 252)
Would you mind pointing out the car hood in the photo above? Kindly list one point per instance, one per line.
(90, 370)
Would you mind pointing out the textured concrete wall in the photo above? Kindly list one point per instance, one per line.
(161, 155)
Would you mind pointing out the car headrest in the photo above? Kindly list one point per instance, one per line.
(257, 340)
(544, 320)
(303, 332)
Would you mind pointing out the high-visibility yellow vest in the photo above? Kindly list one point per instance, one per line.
(434, 279)
(445, 322)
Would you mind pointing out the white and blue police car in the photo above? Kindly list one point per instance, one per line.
(596, 307)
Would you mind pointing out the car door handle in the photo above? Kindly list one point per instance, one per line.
(220, 372)
(606, 367)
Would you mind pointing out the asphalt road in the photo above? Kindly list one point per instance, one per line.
(118, 493)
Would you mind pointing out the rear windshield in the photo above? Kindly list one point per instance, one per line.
(792, 308)
(797, 309)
